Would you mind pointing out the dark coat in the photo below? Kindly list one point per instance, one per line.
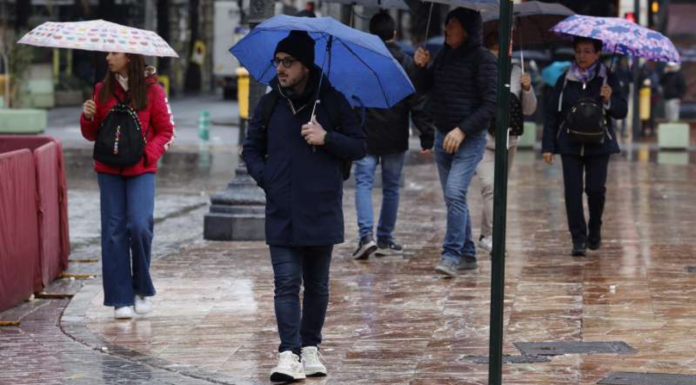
(461, 83)
(387, 130)
(673, 85)
(555, 140)
(303, 184)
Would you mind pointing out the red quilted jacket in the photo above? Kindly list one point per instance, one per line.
(156, 120)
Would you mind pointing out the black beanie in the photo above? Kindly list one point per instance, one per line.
(299, 45)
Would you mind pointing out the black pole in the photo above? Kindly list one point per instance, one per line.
(495, 361)
(637, 132)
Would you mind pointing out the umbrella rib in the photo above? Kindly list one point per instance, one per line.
(368, 67)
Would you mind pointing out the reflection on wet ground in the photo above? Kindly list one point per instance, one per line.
(394, 321)
(185, 172)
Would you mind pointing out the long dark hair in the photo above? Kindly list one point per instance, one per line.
(137, 87)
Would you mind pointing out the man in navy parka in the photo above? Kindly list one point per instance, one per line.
(297, 159)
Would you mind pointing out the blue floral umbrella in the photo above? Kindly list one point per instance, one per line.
(621, 36)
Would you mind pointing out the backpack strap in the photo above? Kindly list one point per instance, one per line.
(565, 83)
(332, 107)
(363, 114)
(269, 104)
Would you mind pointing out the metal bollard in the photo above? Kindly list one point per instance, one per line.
(204, 140)
(243, 101)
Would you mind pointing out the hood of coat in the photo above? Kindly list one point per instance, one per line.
(396, 51)
(151, 75)
(473, 25)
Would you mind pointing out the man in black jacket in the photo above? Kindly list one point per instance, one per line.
(461, 85)
(387, 133)
(298, 165)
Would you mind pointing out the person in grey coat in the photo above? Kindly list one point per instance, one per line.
(520, 85)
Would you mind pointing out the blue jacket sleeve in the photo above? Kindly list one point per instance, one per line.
(255, 147)
(349, 141)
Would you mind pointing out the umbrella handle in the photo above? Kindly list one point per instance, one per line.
(613, 59)
(427, 27)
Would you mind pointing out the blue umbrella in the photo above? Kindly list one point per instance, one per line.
(551, 73)
(357, 64)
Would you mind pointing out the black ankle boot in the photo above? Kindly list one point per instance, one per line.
(579, 249)
(594, 243)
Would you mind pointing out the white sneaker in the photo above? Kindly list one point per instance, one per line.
(486, 243)
(289, 368)
(312, 363)
(123, 312)
(143, 305)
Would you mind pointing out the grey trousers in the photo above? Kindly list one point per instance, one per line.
(486, 174)
(672, 107)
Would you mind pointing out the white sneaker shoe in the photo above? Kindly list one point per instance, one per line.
(486, 243)
(143, 305)
(289, 368)
(312, 362)
(123, 312)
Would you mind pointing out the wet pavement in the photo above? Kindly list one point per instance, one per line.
(391, 320)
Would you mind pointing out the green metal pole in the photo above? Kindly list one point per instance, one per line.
(495, 361)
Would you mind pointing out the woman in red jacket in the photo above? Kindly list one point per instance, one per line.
(128, 193)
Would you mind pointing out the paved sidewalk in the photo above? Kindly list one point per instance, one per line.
(393, 320)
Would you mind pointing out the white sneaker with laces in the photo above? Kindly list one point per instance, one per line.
(123, 312)
(486, 243)
(312, 362)
(289, 368)
(143, 305)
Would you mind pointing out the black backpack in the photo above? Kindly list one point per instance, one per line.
(586, 122)
(516, 123)
(516, 118)
(120, 142)
(333, 108)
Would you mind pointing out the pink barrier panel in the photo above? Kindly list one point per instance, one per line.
(63, 202)
(52, 204)
(19, 229)
(50, 264)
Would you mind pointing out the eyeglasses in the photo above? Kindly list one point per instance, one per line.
(287, 62)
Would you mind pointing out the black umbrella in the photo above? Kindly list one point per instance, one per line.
(533, 22)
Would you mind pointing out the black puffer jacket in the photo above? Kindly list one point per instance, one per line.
(461, 83)
(387, 130)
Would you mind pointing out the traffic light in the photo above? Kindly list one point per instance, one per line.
(630, 16)
(656, 15)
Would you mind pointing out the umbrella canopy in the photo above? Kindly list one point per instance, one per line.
(98, 35)
(533, 22)
(476, 5)
(384, 4)
(357, 64)
(621, 36)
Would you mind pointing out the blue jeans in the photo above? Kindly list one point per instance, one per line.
(456, 171)
(127, 206)
(291, 267)
(392, 165)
